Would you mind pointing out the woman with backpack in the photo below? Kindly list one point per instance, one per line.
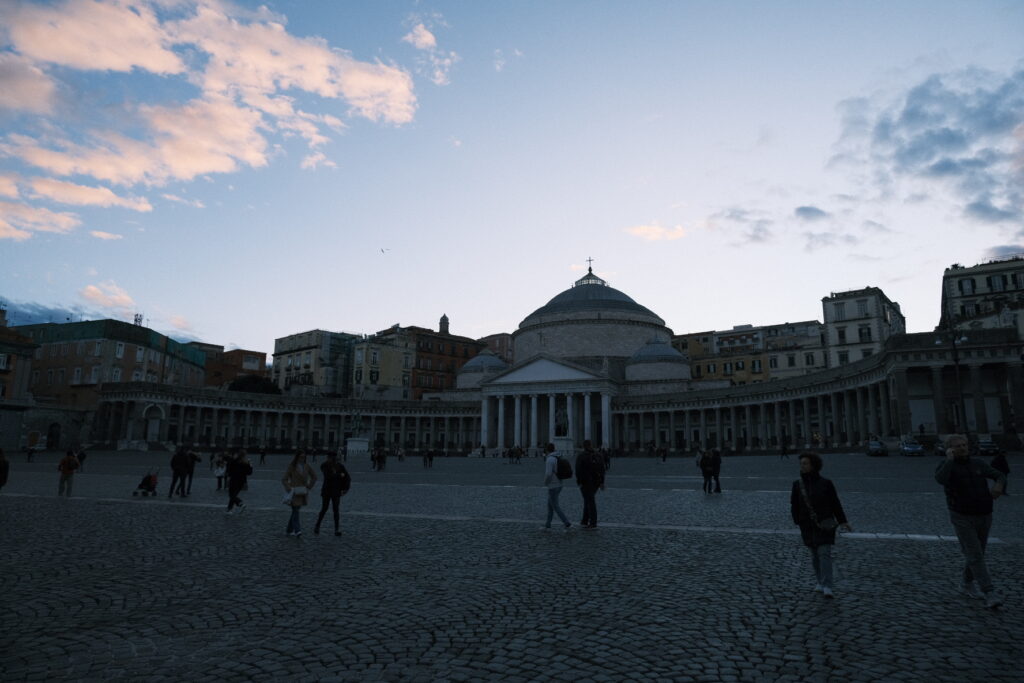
(555, 470)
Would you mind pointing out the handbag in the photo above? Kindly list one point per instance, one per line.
(827, 524)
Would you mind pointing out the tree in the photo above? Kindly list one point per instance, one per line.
(254, 384)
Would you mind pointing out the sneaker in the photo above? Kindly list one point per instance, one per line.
(297, 534)
(570, 527)
(970, 589)
(240, 507)
(819, 588)
(827, 592)
(992, 600)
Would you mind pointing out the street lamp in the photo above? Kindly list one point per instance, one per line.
(956, 338)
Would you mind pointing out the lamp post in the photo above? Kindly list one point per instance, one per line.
(954, 339)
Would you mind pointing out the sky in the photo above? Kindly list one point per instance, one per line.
(239, 172)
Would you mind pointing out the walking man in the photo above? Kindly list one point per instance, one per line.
(238, 471)
(970, 510)
(66, 467)
(716, 468)
(179, 472)
(553, 483)
(590, 478)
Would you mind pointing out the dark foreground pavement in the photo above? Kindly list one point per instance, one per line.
(445, 575)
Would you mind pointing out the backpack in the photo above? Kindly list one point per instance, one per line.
(563, 470)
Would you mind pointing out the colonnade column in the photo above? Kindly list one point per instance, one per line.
(517, 421)
(688, 432)
(570, 418)
(606, 420)
(872, 390)
(533, 421)
(791, 415)
(501, 423)
(747, 432)
(777, 407)
(822, 419)
(702, 436)
(671, 430)
(978, 392)
(807, 421)
(484, 423)
(586, 417)
(551, 417)
(859, 397)
(883, 400)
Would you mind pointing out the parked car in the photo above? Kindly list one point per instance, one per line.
(988, 448)
(877, 448)
(911, 447)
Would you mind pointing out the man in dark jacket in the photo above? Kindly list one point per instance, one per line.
(238, 471)
(179, 472)
(590, 478)
(970, 510)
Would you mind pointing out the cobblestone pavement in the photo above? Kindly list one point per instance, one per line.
(445, 574)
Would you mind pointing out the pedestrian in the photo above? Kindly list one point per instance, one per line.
(716, 468)
(706, 464)
(1000, 463)
(970, 510)
(607, 459)
(784, 451)
(553, 481)
(297, 480)
(80, 454)
(590, 479)
(238, 471)
(179, 472)
(193, 459)
(66, 467)
(214, 458)
(336, 484)
(815, 507)
(263, 455)
(219, 472)
(5, 469)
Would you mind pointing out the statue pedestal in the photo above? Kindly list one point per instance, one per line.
(565, 446)
(357, 445)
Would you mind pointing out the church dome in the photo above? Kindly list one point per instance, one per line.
(485, 361)
(591, 294)
(657, 351)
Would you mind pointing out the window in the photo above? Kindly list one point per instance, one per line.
(739, 365)
(844, 357)
(359, 356)
(862, 308)
(35, 377)
(115, 376)
(49, 377)
(359, 376)
(773, 362)
(140, 354)
(406, 361)
(839, 311)
(76, 376)
(94, 375)
(966, 286)
(864, 333)
(696, 371)
(841, 335)
(64, 349)
(791, 360)
(727, 368)
(373, 358)
(405, 380)
(374, 376)
(53, 350)
(137, 376)
(711, 368)
(996, 283)
(306, 359)
(809, 360)
(865, 353)
(119, 350)
(60, 376)
(3, 361)
(98, 349)
(755, 365)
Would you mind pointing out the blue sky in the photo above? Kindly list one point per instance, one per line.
(238, 172)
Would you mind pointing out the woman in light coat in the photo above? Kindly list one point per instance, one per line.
(297, 480)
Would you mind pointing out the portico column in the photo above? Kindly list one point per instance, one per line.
(791, 414)
(570, 418)
(214, 434)
(606, 420)
(551, 417)
(778, 422)
(703, 435)
(978, 392)
(687, 431)
(872, 392)
(883, 399)
(806, 407)
(586, 416)
(517, 421)
(263, 428)
(938, 400)
(501, 422)
(671, 430)
(822, 419)
(747, 431)
(534, 434)
(484, 422)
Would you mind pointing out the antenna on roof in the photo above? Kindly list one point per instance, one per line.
(137, 320)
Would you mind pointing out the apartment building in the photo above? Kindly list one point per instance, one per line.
(857, 323)
(224, 367)
(988, 295)
(314, 363)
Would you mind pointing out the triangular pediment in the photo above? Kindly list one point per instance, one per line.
(543, 370)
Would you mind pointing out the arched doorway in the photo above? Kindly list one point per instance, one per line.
(53, 436)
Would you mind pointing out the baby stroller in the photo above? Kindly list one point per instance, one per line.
(146, 487)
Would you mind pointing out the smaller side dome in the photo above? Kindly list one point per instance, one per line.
(657, 351)
(485, 361)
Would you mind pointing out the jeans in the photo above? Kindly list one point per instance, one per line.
(327, 502)
(972, 532)
(65, 485)
(553, 507)
(821, 559)
(293, 521)
(177, 480)
(589, 506)
(707, 483)
(233, 498)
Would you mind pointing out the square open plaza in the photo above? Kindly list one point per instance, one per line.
(445, 574)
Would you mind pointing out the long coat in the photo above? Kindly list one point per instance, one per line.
(825, 500)
(299, 476)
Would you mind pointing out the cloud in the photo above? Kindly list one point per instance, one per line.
(98, 36)
(8, 185)
(958, 133)
(810, 213)
(180, 323)
(100, 235)
(436, 63)
(19, 221)
(756, 224)
(655, 232)
(821, 240)
(107, 295)
(1004, 251)
(32, 313)
(181, 200)
(24, 86)
(874, 226)
(317, 159)
(70, 193)
(420, 38)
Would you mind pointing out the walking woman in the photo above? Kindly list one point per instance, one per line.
(336, 484)
(297, 480)
(814, 504)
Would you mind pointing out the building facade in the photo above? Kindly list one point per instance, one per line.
(314, 363)
(383, 365)
(16, 353)
(224, 367)
(985, 296)
(858, 322)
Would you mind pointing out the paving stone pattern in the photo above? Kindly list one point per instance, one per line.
(445, 574)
